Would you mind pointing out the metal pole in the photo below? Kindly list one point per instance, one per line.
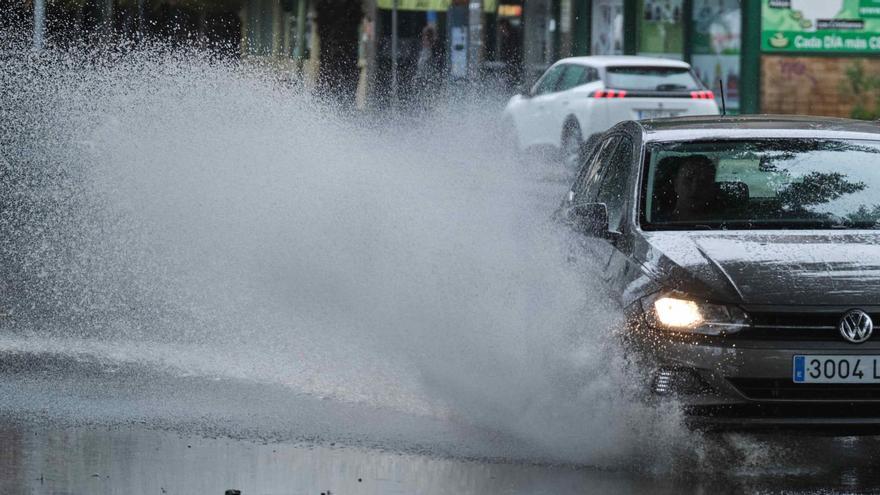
(140, 18)
(475, 38)
(300, 50)
(394, 50)
(39, 24)
(108, 17)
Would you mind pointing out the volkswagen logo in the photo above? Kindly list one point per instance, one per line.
(856, 326)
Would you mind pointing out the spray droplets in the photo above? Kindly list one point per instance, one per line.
(208, 218)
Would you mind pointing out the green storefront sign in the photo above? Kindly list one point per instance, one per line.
(821, 26)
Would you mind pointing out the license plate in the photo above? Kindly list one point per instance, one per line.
(655, 114)
(836, 369)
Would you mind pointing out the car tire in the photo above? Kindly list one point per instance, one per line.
(572, 145)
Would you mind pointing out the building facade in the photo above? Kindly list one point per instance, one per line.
(817, 57)
(814, 57)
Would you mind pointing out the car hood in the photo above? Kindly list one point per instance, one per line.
(770, 267)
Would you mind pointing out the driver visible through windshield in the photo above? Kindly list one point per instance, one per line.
(784, 183)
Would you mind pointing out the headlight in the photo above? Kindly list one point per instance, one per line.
(681, 314)
(677, 313)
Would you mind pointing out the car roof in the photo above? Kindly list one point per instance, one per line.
(624, 60)
(756, 126)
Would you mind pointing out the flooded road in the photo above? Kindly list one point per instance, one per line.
(45, 458)
(75, 426)
(128, 460)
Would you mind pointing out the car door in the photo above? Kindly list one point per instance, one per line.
(585, 189)
(603, 179)
(586, 185)
(591, 117)
(538, 114)
(560, 104)
(613, 193)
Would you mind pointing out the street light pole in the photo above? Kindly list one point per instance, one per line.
(39, 24)
(140, 19)
(475, 38)
(108, 17)
(394, 50)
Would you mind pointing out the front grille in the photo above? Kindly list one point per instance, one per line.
(789, 334)
(800, 319)
(786, 389)
(814, 326)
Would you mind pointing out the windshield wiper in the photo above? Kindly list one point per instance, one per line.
(670, 87)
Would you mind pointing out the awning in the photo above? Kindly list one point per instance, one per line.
(425, 5)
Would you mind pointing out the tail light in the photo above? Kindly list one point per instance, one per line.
(608, 93)
(703, 95)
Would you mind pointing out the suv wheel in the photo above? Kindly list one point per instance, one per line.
(572, 145)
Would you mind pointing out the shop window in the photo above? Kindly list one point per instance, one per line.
(715, 47)
(661, 32)
(607, 31)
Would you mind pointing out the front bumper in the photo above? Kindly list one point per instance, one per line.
(738, 383)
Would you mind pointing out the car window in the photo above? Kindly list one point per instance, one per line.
(584, 190)
(612, 190)
(787, 183)
(651, 78)
(573, 76)
(547, 83)
(590, 75)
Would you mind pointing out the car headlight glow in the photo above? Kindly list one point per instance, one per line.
(680, 313)
(677, 313)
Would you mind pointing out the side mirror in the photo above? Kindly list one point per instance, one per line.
(591, 218)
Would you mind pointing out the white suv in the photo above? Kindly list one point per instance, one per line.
(579, 97)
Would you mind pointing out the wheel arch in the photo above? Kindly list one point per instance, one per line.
(566, 127)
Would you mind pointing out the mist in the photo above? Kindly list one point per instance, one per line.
(210, 218)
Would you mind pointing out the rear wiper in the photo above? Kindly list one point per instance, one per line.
(670, 87)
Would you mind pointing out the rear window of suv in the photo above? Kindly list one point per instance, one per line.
(651, 79)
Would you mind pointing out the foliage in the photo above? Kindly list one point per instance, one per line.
(864, 88)
(817, 188)
(865, 216)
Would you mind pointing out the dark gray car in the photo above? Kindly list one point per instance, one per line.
(746, 253)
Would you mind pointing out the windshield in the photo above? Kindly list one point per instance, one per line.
(651, 79)
(788, 183)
